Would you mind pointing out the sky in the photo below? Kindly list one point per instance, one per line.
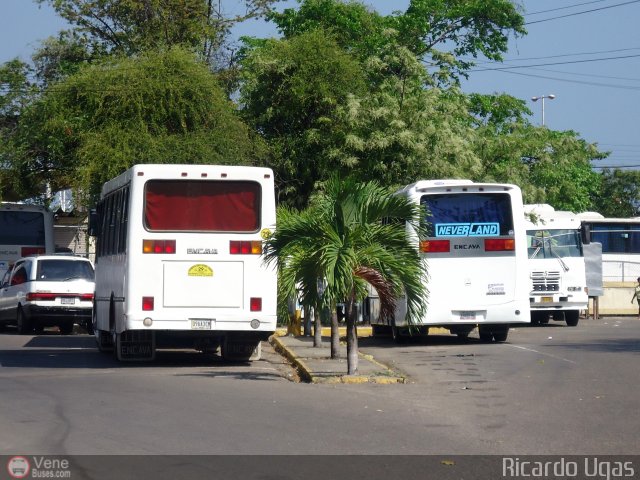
(584, 52)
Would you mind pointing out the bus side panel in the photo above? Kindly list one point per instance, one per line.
(110, 290)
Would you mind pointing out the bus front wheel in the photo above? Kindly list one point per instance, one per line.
(572, 317)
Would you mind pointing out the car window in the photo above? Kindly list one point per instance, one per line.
(58, 270)
(20, 275)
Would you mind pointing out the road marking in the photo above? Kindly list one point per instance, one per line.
(544, 354)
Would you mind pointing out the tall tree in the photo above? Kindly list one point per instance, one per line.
(131, 26)
(619, 193)
(160, 107)
(342, 239)
(291, 94)
(446, 33)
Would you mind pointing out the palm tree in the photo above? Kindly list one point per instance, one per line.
(351, 235)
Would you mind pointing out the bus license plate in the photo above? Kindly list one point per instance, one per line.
(200, 324)
(67, 301)
(467, 315)
(546, 299)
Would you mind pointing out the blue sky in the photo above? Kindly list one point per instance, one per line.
(588, 56)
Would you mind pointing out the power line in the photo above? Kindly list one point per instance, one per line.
(507, 60)
(580, 13)
(593, 84)
(564, 8)
(557, 63)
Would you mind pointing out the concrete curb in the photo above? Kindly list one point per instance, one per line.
(299, 365)
(391, 377)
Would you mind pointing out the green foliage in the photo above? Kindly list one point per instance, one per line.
(442, 31)
(401, 132)
(291, 94)
(551, 167)
(341, 238)
(129, 27)
(354, 26)
(161, 107)
(619, 194)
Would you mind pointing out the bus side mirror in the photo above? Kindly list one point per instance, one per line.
(94, 229)
(585, 233)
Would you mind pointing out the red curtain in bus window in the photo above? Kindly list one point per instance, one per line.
(194, 205)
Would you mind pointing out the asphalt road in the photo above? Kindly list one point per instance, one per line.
(548, 390)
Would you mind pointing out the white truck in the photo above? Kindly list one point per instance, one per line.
(558, 285)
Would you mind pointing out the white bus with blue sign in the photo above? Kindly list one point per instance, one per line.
(476, 256)
(179, 261)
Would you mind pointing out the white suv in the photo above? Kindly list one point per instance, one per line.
(46, 291)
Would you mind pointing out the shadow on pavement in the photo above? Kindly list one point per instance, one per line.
(53, 351)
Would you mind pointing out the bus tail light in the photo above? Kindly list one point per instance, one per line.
(435, 246)
(158, 246)
(499, 244)
(147, 304)
(28, 251)
(255, 304)
(245, 247)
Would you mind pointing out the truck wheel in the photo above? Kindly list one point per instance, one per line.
(572, 317)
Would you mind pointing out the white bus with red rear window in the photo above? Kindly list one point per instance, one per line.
(25, 230)
(476, 258)
(178, 260)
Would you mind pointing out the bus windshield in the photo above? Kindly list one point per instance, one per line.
(202, 205)
(554, 243)
(22, 228)
(468, 214)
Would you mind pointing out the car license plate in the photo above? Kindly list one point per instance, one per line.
(546, 299)
(467, 315)
(200, 324)
(67, 301)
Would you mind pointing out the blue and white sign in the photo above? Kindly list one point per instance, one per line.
(467, 229)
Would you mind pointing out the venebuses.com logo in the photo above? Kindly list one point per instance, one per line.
(20, 466)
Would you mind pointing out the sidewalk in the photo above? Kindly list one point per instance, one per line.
(315, 365)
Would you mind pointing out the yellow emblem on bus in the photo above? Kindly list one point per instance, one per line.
(265, 233)
(200, 270)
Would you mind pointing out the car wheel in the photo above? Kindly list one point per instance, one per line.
(23, 323)
(66, 328)
(88, 326)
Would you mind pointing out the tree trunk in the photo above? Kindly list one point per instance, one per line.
(335, 334)
(352, 338)
(317, 328)
(306, 327)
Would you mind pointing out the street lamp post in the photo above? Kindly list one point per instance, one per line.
(541, 98)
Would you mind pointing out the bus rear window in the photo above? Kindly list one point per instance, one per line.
(202, 205)
(468, 214)
(21, 228)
